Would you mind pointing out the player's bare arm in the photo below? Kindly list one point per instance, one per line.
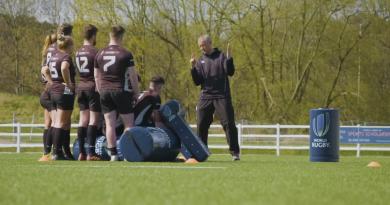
(97, 79)
(66, 75)
(134, 81)
(45, 71)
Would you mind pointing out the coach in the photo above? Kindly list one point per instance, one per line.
(212, 72)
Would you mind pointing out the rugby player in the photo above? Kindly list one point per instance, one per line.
(62, 73)
(87, 96)
(146, 110)
(113, 66)
(49, 48)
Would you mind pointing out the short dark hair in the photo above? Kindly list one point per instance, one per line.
(158, 80)
(117, 31)
(65, 29)
(89, 31)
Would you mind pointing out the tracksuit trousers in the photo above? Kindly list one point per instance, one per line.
(225, 112)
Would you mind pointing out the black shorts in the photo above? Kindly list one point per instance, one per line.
(120, 101)
(45, 100)
(62, 101)
(88, 100)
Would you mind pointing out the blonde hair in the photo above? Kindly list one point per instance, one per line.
(50, 39)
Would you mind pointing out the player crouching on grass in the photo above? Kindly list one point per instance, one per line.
(147, 110)
(113, 66)
(62, 73)
(87, 96)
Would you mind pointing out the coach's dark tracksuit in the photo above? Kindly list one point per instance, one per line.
(211, 72)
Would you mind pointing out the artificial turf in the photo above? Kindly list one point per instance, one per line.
(256, 179)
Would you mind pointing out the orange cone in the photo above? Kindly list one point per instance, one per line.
(191, 161)
(45, 158)
(374, 164)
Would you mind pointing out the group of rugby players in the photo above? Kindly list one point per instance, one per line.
(108, 86)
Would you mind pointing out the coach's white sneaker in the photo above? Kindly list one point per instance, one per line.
(236, 157)
(114, 158)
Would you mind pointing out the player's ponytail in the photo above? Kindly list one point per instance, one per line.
(49, 39)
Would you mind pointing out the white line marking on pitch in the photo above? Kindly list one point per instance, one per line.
(135, 166)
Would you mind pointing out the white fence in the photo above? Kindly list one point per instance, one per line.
(265, 137)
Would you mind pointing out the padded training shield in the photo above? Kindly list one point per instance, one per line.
(172, 154)
(100, 148)
(101, 143)
(194, 145)
(102, 151)
(185, 152)
(149, 144)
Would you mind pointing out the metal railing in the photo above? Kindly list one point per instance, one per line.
(265, 137)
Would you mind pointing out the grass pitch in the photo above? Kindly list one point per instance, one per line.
(256, 179)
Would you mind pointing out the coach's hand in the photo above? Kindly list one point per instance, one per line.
(193, 60)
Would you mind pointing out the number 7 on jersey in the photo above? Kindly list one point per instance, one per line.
(111, 61)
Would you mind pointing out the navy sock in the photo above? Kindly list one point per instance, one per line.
(45, 134)
(66, 142)
(57, 145)
(49, 139)
(81, 135)
(113, 151)
(91, 138)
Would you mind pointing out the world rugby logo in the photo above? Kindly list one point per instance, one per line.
(320, 124)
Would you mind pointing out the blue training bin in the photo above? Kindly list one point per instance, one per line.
(324, 135)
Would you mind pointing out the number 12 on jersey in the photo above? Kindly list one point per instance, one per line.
(82, 67)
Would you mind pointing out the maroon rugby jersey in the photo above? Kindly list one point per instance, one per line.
(112, 63)
(55, 71)
(85, 57)
(50, 52)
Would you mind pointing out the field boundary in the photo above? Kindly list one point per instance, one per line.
(272, 137)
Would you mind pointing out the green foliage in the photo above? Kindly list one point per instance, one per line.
(290, 56)
(25, 108)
